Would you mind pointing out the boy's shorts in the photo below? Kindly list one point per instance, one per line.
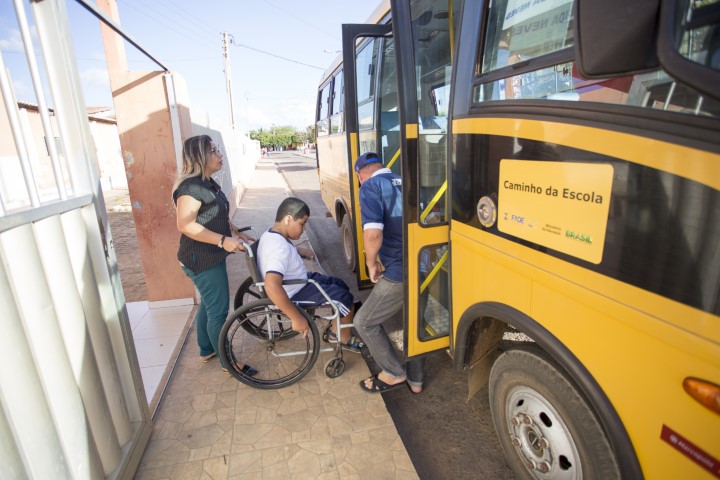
(336, 289)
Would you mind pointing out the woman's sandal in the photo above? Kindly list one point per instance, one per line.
(378, 386)
(246, 369)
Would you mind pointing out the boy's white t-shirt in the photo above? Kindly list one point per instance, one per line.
(278, 255)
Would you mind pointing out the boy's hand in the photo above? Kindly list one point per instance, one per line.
(300, 326)
(306, 253)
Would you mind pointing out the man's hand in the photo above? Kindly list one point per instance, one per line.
(375, 271)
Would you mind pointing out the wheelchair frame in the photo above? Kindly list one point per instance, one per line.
(260, 321)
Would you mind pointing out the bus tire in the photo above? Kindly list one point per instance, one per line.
(545, 425)
(348, 243)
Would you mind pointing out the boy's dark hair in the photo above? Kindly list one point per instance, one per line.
(294, 207)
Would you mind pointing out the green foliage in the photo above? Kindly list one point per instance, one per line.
(282, 136)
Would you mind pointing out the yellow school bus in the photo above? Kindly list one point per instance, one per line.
(561, 166)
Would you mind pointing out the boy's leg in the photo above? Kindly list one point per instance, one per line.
(339, 292)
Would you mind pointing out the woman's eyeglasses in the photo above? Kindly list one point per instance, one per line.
(217, 150)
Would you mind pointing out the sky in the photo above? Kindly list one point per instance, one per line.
(186, 37)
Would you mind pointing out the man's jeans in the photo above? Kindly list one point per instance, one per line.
(385, 301)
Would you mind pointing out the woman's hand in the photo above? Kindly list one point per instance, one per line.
(232, 245)
(245, 237)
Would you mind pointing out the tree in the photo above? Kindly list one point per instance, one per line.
(310, 133)
(281, 136)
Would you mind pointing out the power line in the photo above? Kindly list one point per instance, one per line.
(143, 12)
(193, 19)
(302, 20)
(233, 42)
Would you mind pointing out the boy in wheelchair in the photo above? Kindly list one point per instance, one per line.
(279, 260)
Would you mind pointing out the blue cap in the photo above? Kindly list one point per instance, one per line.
(366, 158)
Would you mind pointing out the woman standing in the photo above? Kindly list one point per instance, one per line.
(206, 241)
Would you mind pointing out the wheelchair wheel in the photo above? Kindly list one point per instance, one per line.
(247, 293)
(280, 360)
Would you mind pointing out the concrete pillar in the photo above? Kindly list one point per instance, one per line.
(146, 139)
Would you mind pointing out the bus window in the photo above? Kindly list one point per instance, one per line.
(554, 83)
(336, 121)
(433, 293)
(322, 119)
(510, 39)
(520, 30)
(366, 68)
(389, 121)
(431, 36)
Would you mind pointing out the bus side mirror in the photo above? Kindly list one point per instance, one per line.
(688, 44)
(615, 37)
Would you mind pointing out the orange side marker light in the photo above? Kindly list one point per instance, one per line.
(705, 393)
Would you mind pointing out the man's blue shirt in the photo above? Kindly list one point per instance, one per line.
(381, 207)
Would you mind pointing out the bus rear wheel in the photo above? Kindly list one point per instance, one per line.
(545, 426)
(348, 243)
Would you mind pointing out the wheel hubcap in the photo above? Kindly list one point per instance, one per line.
(540, 436)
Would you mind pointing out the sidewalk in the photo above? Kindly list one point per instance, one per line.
(210, 426)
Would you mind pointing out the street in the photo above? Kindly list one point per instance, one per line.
(446, 435)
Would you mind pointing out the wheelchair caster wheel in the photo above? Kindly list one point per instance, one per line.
(334, 367)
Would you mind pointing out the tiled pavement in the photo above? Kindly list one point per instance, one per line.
(210, 426)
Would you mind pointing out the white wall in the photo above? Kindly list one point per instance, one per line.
(109, 155)
(241, 154)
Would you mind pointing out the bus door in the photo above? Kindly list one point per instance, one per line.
(409, 128)
(371, 112)
(425, 30)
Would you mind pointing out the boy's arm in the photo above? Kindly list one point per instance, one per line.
(278, 295)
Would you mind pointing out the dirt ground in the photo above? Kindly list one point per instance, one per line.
(124, 237)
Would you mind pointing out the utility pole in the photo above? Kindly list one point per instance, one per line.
(226, 54)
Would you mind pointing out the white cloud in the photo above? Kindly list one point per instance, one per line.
(12, 44)
(297, 113)
(95, 77)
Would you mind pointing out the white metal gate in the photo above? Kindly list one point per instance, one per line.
(72, 403)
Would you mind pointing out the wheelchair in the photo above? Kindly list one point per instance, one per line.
(260, 335)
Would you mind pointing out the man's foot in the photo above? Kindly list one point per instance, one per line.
(415, 389)
(375, 385)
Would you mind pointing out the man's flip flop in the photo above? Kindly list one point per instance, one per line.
(378, 386)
